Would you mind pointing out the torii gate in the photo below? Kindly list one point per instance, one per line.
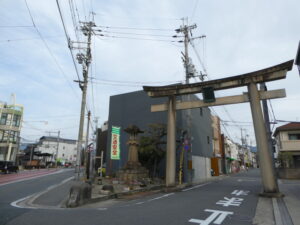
(253, 96)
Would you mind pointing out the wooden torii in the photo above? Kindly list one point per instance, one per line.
(253, 96)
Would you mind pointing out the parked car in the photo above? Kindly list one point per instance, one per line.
(8, 166)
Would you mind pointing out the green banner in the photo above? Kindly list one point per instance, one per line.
(115, 143)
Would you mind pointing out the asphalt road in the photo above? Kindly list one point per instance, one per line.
(229, 200)
(22, 188)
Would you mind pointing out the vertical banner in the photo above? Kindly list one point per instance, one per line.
(115, 143)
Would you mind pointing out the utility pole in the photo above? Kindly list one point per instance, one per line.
(57, 146)
(87, 152)
(93, 153)
(189, 72)
(85, 60)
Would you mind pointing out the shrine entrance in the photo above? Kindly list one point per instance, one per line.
(207, 88)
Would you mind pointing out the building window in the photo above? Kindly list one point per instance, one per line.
(8, 120)
(294, 136)
(3, 119)
(16, 120)
(1, 135)
(201, 111)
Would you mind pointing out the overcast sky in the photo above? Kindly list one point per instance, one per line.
(241, 36)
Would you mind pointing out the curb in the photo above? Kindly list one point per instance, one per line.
(161, 188)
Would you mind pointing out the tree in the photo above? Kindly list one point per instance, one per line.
(152, 147)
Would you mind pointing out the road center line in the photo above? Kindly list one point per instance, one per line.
(197, 186)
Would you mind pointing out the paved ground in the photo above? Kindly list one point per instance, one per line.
(227, 200)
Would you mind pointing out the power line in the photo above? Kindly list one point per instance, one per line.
(49, 50)
(138, 34)
(28, 39)
(30, 14)
(135, 28)
(135, 82)
(17, 26)
(134, 38)
(68, 38)
(194, 9)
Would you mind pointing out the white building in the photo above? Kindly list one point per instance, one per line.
(10, 127)
(64, 150)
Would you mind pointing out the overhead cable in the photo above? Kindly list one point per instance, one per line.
(134, 38)
(135, 28)
(68, 39)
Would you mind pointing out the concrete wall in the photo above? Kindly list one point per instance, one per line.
(201, 168)
(288, 173)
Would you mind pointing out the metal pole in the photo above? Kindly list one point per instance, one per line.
(171, 143)
(87, 153)
(270, 186)
(58, 133)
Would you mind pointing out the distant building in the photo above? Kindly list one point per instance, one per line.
(66, 149)
(217, 159)
(134, 108)
(288, 142)
(10, 127)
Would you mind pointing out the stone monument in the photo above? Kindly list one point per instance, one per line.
(133, 171)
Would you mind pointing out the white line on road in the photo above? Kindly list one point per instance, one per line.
(160, 197)
(15, 203)
(197, 186)
(33, 197)
(139, 203)
(102, 209)
(31, 178)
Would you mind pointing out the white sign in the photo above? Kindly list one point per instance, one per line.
(239, 192)
(230, 202)
(217, 217)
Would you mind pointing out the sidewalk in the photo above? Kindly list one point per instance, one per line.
(280, 211)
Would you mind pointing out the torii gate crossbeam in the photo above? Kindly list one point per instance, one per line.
(253, 96)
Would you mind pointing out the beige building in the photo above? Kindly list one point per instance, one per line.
(288, 143)
(10, 127)
(216, 160)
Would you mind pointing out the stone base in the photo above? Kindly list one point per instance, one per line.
(271, 195)
(132, 175)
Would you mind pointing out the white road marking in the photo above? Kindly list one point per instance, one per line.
(217, 217)
(243, 180)
(230, 202)
(36, 195)
(102, 209)
(239, 192)
(15, 203)
(31, 178)
(139, 203)
(197, 186)
(160, 197)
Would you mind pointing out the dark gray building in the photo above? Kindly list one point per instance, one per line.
(134, 108)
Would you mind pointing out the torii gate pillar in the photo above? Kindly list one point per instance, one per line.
(171, 143)
(269, 181)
